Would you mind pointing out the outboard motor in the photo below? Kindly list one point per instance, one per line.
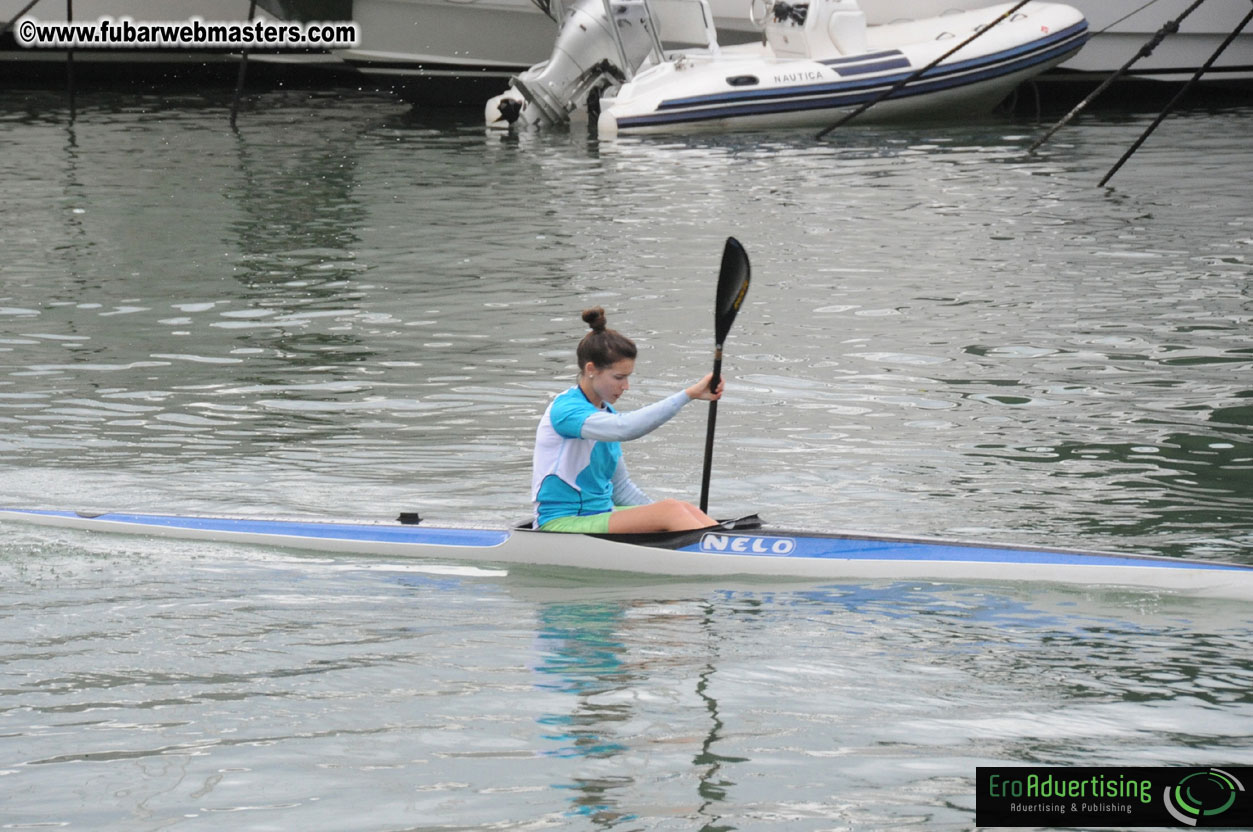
(817, 29)
(592, 48)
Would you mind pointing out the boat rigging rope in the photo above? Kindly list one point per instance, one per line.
(1131, 13)
(243, 69)
(1205, 67)
(915, 76)
(9, 25)
(546, 7)
(1168, 28)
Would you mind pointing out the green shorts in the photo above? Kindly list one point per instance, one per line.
(586, 524)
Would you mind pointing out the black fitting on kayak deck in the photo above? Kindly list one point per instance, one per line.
(409, 518)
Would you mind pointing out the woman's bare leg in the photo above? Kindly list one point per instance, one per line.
(661, 516)
(703, 519)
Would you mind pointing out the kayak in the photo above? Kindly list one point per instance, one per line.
(743, 547)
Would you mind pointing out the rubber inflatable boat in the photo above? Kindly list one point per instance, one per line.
(647, 66)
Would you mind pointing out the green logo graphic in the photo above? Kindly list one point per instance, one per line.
(1201, 795)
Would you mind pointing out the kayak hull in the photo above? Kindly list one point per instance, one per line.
(716, 552)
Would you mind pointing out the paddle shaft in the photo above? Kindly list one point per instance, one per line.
(709, 432)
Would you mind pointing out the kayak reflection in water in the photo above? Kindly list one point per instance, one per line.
(578, 481)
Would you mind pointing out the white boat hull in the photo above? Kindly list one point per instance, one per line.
(440, 45)
(715, 553)
(746, 87)
(440, 51)
(1119, 28)
(447, 51)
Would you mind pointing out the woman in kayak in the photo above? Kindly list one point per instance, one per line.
(579, 482)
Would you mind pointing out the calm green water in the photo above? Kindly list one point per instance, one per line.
(347, 309)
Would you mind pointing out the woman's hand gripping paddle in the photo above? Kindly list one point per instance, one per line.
(733, 280)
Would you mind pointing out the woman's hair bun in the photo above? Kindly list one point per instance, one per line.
(595, 318)
(602, 346)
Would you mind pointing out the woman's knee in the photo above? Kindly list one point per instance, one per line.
(681, 515)
(672, 509)
(694, 514)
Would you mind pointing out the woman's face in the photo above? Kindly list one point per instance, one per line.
(609, 383)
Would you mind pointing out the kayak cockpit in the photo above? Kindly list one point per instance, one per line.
(664, 540)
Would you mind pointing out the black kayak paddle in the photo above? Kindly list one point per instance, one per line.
(733, 280)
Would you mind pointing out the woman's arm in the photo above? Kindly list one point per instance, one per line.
(625, 492)
(623, 427)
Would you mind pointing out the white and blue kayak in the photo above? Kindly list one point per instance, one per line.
(734, 548)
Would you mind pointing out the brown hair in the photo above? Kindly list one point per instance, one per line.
(602, 346)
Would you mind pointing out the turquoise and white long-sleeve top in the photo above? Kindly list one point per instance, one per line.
(577, 468)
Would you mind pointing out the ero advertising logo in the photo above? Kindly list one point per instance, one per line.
(1114, 796)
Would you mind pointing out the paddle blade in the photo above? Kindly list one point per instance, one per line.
(733, 281)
